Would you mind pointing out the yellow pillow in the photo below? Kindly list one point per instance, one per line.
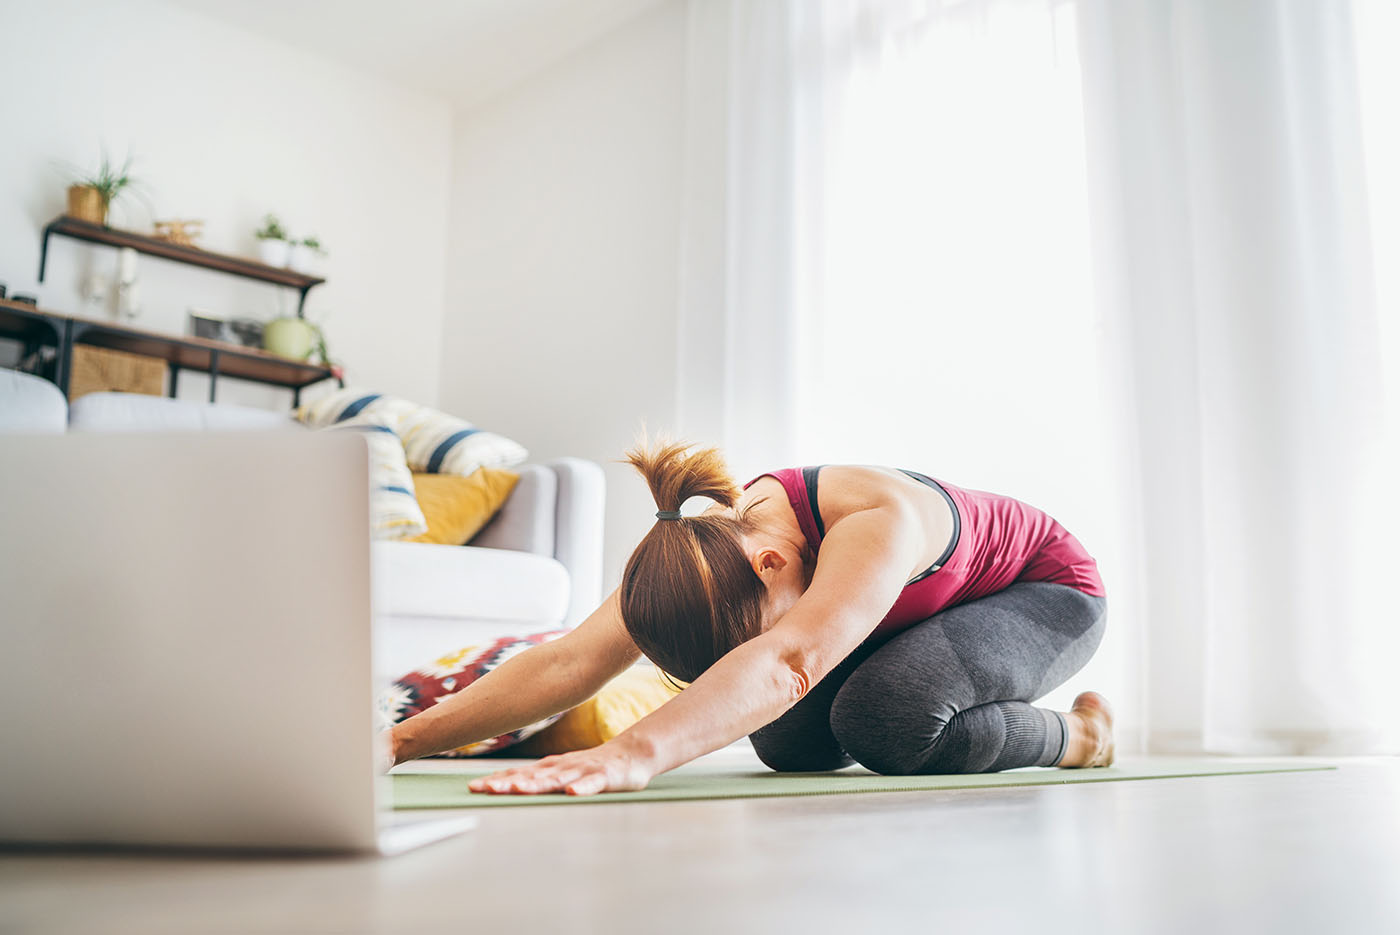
(622, 702)
(457, 507)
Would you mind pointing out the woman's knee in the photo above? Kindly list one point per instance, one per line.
(882, 729)
(796, 757)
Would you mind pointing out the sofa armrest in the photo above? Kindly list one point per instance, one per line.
(578, 533)
(30, 404)
(525, 523)
(556, 509)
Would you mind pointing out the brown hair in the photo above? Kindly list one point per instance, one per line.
(689, 594)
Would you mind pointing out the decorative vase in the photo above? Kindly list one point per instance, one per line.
(85, 203)
(274, 252)
(289, 337)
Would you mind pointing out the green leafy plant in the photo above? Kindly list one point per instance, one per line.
(321, 354)
(271, 229)
(312, 242)
(109, 181)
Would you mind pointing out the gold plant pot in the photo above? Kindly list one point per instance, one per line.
(85, 203)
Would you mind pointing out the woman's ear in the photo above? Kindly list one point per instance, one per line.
(768, 560)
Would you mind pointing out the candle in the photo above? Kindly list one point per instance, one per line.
(126, 265)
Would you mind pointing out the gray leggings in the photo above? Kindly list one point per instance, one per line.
(949, 694)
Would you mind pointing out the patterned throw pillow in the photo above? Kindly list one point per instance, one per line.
(393, 509)
(421, 689)
(434, 442)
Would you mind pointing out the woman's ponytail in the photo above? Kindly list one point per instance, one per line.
(675, 476)
(689, 594)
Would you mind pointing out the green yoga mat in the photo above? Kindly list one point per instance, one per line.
(449, 789)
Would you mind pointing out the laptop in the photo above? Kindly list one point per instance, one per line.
(185, 645)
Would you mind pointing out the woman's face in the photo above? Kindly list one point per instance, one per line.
(777, 552)
(780, 567)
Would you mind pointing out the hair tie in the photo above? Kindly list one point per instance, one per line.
(668, 514)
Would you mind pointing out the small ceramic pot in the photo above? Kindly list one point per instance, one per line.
(274, 252)
(289, 337)
(301, 258)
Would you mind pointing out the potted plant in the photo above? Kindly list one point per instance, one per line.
(273, 246)
(304, 253)
(89, 197)
(300, 339)
(323, 354)
(290, 337)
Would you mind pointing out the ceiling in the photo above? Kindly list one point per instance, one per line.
(462, 50)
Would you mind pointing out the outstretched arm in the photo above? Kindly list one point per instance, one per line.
(862, 568)
(541, 681)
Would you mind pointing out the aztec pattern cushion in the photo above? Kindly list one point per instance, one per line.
(457, 507)
(421, 689)
(435, 442)
(393, 508)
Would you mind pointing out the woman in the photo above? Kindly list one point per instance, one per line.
(831, 614)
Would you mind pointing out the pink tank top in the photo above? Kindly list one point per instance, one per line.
(997, 540)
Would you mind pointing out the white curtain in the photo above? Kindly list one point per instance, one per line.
(1111, 257)
(1236, 262)
(738, 318)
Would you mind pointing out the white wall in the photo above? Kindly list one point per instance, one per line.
(226, 126)
(560, 328)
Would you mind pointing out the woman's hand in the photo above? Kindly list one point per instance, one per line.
(386, 755)
(608, 768)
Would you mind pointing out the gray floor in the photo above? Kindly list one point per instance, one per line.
(1311, 852)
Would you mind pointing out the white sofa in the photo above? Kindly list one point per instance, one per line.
(536, 566)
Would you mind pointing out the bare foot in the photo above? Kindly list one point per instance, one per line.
(1091, 732)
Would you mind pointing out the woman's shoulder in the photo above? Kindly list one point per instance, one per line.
(783, 475)
(837, 490)
(862, 482)
(860, 486)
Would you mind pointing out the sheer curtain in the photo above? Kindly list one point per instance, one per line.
(1237, 270)
(947, 316)
(1111, 257)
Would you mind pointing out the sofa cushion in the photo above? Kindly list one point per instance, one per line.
(31, 404)
(133, 412)
(415, 579)
(457, 507)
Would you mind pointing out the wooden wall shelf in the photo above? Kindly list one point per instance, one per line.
(65, 226)
(33, 327)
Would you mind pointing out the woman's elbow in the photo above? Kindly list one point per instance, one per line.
(796, 675)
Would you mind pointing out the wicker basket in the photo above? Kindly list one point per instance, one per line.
(85, 204)
(100, 370)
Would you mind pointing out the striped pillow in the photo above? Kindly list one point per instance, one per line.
(345, 404)
(437, 443)
(393, 509)
(434, 442)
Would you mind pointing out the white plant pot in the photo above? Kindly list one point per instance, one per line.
(301, 258)
(274, 252)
